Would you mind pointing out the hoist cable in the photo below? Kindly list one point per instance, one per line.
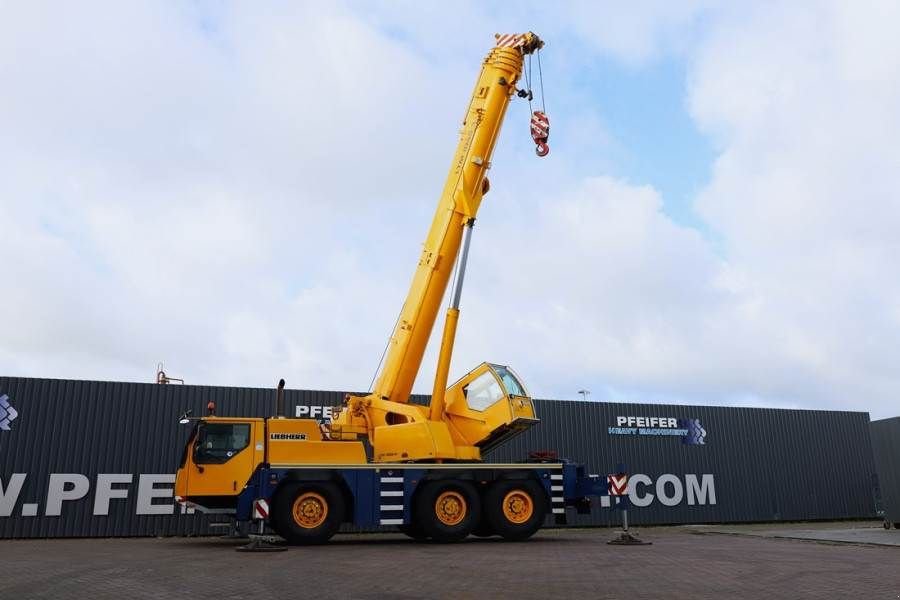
(528, 73)
(386, 346)
(528, 84)
(541, 81)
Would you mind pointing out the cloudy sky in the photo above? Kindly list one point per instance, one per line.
(241, 191)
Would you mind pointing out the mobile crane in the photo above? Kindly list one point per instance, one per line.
(383, 460)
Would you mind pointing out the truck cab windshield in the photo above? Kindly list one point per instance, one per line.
(218, 442)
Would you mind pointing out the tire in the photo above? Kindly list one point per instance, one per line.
(307, 513)
(447, 510)
(887, 524)
(515, 509)
(897, 525)
(414, 530)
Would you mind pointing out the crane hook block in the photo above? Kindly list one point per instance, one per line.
(540, 131)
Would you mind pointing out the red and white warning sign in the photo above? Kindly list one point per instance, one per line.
(618, 484)
(260, 509)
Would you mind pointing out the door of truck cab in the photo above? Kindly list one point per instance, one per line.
(223, 455)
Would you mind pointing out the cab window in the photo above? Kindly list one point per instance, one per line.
(218, 442)
(510, 382)
(482, 391)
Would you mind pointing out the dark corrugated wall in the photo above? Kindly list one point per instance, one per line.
(886, 447)
(765, 464)
(92, 427)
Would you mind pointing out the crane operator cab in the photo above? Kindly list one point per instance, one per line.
(489, 405)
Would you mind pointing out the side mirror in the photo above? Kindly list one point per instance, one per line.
(185, 418)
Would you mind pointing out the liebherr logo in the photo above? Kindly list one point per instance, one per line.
(7, 413)
(288, 437)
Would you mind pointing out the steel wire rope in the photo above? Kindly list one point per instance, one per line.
(528, 85)
(541, 81)
(384, 352)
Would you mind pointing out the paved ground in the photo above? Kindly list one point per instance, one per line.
(681, 563)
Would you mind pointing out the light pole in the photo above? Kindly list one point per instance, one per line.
(584, 394)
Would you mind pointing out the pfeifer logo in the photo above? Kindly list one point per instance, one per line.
(690, 431)
(7, 413)
(696, 435)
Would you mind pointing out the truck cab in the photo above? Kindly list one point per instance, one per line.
(219, 458)
(223, 453)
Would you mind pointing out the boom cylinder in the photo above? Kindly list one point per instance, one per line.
(436, 408)
(463, 259)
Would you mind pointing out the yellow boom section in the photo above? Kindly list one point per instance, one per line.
(457, 206)
(449, 429)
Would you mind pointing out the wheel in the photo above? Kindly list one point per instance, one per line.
(887, 524)
(307, 513)
(447, 510)
(897, 525)
(515, 509)
(414, 530)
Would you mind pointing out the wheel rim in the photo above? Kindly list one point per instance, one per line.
(450, 508)
(310, 510)
(518, 506)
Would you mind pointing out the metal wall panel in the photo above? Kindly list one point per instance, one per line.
(88, 428)
(886, 447)
(764, 464)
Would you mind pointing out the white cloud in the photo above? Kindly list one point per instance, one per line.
(165, 183)
(804, 193)
(637, 32)
(800, 306)
(242, 194)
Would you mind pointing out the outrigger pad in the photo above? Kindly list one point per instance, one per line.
(626, 539)
(261, 543)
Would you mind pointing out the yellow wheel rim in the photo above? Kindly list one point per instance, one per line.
(310, 510)
(518, 506)
(450, 508)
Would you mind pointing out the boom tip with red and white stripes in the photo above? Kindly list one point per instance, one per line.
(527, 42)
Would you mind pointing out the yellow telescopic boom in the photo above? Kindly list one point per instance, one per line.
(398, 430)
(457, 207)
